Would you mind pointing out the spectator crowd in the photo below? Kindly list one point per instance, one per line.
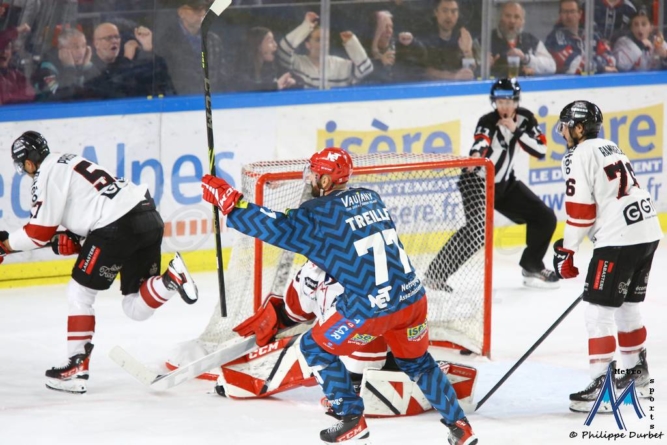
(64, 50)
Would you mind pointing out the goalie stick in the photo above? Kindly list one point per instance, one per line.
(162, 382)
(215, 10)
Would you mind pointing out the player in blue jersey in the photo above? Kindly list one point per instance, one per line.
(350, 234)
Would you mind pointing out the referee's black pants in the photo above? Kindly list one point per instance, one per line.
(518, 203)
(514, 200)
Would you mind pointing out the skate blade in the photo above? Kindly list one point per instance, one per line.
(353, 442)
(643, 392)
(586, 407)
(73, 386)
(364, 440)
(539, 284)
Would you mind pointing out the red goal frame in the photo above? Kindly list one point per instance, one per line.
(469, 162)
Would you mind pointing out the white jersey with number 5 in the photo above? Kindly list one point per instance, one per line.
(603, 199)
(70, 191)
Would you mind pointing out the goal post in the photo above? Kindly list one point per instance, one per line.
(425, 196)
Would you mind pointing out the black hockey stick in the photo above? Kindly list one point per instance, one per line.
(215, 10)
(530, 351)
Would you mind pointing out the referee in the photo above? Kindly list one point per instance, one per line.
(498, 136)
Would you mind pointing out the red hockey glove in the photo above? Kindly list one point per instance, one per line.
(564, 261)
(218, 192)
(4, 236)
(66, 243)
(265, 323)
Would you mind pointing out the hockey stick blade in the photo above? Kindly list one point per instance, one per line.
(132, 366)
(184, 373)
(220, 5)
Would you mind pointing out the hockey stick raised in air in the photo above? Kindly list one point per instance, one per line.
(529, 351)
(215, 10)
(162, 382)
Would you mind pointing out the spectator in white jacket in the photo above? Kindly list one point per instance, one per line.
(642, 49)
(340, 72)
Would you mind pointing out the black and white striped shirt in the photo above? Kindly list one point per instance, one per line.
(498, 143)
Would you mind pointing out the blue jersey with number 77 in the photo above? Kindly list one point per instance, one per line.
(350, 235)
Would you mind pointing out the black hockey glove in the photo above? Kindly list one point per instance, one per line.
(564, 261)
(66, 243)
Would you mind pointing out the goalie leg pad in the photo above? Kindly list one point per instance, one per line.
(271, 369)
(435, 386)
(463, 379)
(392, 393)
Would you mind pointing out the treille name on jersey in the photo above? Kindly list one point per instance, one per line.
(359, 199)
(367, 218)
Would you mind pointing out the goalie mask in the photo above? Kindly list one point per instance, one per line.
(30, 146)
(335, 162)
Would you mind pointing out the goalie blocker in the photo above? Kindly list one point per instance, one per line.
(280, 366)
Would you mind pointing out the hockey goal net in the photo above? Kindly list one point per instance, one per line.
(423, 194)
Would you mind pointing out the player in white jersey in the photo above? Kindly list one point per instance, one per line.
(123, 233)
(604, 202)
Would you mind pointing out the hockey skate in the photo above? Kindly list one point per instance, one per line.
(178, 278)
(638, 373)
(582, 401)
(460, 433)
(73, 376)
(543, 279)
(349, 429)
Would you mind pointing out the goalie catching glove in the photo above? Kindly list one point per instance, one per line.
(564, 261)
(218, 192)
(66, 243)
(266, 322)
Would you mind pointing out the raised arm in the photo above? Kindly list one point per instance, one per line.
(289, 43)
(361, 64)
(284, 230)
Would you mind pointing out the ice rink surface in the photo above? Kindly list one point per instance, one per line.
(530, 408)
